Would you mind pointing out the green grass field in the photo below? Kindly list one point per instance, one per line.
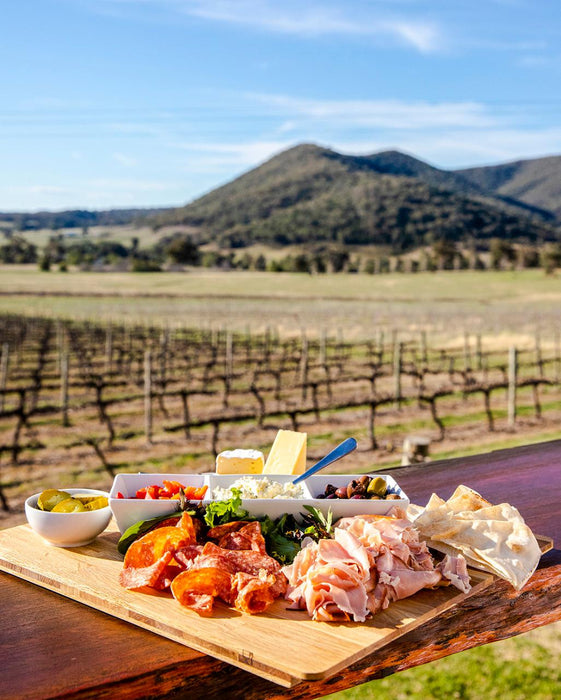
(500, 305)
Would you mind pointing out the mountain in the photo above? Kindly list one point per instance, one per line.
(310, 194)
(536, 182)
(74, 218)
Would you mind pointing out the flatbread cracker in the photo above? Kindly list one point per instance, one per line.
(494, 538)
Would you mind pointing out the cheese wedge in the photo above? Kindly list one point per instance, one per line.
(288, 453)
(240, 462)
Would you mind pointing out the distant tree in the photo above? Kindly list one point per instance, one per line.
(551, 257)
(501, 251)
(370, 266)
(528, 256)
(17, 251)
(184, 250)
(55, 249)
(338, 258)
(45, 263)
(445, 253)
(260, 262)
(245, 262)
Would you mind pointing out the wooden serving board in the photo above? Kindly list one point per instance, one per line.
(284, 646)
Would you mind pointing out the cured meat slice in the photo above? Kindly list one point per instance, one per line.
(330, 582)
(454, 571)
(154, 544)
(371, 562)
(217, 532)
(187, 524)
(247, 537)
(254, 593)
(197, 588)
(187, 555)
(138, 577)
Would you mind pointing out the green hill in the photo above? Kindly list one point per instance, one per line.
(536, 182)
(310, 194)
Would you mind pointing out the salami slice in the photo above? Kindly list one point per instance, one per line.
(248, 537)
(154, 544)
(197, 588)
(216, 533)
(254, 593)
(138, 577)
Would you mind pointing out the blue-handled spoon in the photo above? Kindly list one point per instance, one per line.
(338, 452)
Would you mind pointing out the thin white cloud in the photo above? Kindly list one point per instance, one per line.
(217, 156)
(389, 114)
(310, 19)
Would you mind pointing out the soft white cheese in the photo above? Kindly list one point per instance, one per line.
(251, 487)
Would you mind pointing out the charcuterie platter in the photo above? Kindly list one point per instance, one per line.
(284, 646)
(291, 582)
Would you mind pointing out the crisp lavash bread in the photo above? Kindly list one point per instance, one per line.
(492, 538)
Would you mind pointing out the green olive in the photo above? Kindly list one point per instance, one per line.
(51, 498)
(377, 487)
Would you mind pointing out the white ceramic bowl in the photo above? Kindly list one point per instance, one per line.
(68, 529)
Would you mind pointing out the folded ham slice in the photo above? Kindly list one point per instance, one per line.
(371, 562)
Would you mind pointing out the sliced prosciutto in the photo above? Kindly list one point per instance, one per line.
(371, 562)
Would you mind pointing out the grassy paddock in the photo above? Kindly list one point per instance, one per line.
(503, 306)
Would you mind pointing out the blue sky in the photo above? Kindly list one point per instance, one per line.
(118, 103)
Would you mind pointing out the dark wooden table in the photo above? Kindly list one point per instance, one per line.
(51, 646)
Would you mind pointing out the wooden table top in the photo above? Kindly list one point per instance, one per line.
(51, 646)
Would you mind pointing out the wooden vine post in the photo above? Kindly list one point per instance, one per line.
(304, 366)
(109, 349)
(512, 379)
(148, 395)
(467, 353)
(424, 353)
(397, 356)
(4, 361)
(478, 352)
(64, 388)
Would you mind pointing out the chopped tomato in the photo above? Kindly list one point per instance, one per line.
(170, 490)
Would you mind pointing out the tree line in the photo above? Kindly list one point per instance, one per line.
(177, 250)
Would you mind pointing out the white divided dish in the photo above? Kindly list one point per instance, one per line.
(312, 487)
(128, 510)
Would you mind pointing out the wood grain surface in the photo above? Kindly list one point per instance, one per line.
(311, 650)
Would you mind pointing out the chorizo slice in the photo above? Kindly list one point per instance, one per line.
(138, 577)
(254, 593)
(248, 537)
(197, 588)
(154, 544)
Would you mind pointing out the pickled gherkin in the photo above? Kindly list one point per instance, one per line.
(69, 505)
(55, 501)
(94, 503)
(51, 498)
